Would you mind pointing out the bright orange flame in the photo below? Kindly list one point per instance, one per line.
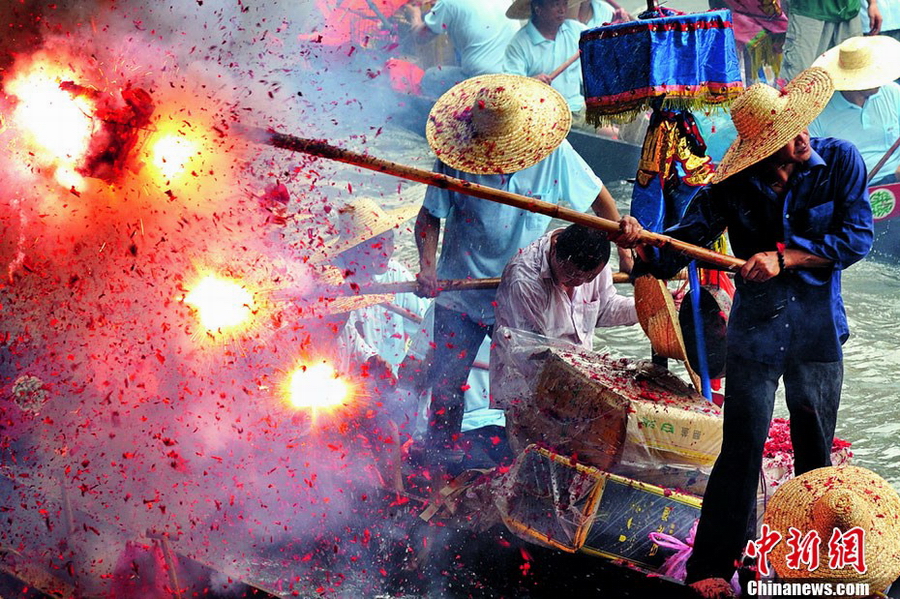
(222, 304)
(317, 386)
(171, 153)
(51, 118)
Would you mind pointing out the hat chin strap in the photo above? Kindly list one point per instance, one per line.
(842, 509)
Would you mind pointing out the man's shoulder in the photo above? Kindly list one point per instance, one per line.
(891, 91)
(832, 147)
(573, 25)
(527, 35)
(526, 264)
(563, 157)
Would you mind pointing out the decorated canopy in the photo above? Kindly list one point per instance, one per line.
(689, 60)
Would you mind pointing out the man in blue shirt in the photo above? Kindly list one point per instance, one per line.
(505, 132)
(866, 112)
(796, 209)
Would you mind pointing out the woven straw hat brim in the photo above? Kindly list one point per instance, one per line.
(792, 506)
(521, 9)
(806, 96)
(370, 225)
(536, 120)
(659, 319)
(880, 67)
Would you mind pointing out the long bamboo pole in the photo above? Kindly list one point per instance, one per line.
(445, 285)
(884, 159)
(558, 71)
(323, 149)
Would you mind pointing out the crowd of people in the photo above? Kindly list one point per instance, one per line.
(791, 193)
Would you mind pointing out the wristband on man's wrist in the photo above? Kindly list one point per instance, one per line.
(779, 249)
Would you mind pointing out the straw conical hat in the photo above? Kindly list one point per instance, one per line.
(863, 62)
(842, 498)
(497, 124)
(766, 119)
(357, 222)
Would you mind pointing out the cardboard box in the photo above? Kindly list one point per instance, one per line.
(620, 416)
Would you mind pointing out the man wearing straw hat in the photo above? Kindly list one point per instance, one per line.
(506, 132)
(796, 209)
(364, 250)
(546, 43)
(866, 112)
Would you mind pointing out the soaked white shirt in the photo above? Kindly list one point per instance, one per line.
(529, 300)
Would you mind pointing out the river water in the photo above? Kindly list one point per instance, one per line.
(869, 416)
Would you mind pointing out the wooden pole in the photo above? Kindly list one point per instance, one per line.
(619, 278)
(884, 159)
(564, 66)
(323, 149)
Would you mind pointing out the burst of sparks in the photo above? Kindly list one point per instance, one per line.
(317, 386)
(171, 153)
(221, 304)
(57, 123)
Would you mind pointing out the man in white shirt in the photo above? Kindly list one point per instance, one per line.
(561, 287)
(866, 108)
(546, 43)
(364, 251)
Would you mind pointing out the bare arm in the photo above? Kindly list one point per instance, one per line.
(427, 232)
(604, 206)
(874, 18)
(619, 13)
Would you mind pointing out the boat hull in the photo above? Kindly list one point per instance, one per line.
(885, 201)
(611, 159)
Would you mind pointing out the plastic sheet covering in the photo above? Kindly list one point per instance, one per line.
(627, 417)
(549, 499)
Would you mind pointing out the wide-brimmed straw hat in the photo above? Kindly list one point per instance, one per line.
(359, 221)
(521, 9)
(863, 62)
(329, 300)
(497, 124)
(766, 119)
(839, 498)
(656, 313)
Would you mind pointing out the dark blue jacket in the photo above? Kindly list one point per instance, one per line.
(825, 211)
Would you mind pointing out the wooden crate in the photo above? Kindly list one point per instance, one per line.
(549, 499)
(628, 511)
